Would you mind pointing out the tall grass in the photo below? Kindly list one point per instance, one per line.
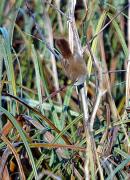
(48, 130)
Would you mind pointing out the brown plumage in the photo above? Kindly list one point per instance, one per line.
(63, 46)
(73, 64)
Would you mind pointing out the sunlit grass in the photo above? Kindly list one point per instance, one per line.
(45, 133)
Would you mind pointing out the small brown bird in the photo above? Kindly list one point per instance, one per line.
(73, 64)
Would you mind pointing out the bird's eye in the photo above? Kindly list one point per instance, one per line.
(76, 80)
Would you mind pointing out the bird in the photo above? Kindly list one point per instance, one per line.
(73, 64)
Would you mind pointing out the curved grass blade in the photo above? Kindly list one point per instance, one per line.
(120, 35)
(95, 41)
(11, 147)
(39, 114)
(5, 46)
(47, 106)
(23, 137)
(118, 168)
(67, 127)
(40, 160)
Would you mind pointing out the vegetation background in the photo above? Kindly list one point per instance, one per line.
(42, 129)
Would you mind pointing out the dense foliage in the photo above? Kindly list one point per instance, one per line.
(42, 129)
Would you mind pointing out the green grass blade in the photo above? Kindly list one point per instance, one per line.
(95, 41)
(66, 104)
(68, 127)
(120, 35)
(118, 168)
(2, 4)
(12, 19)
(38, 77)
(20, 72)
(8, 59)
(52, 108)
(23, 137)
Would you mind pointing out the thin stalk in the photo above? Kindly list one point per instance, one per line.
(75, 46)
